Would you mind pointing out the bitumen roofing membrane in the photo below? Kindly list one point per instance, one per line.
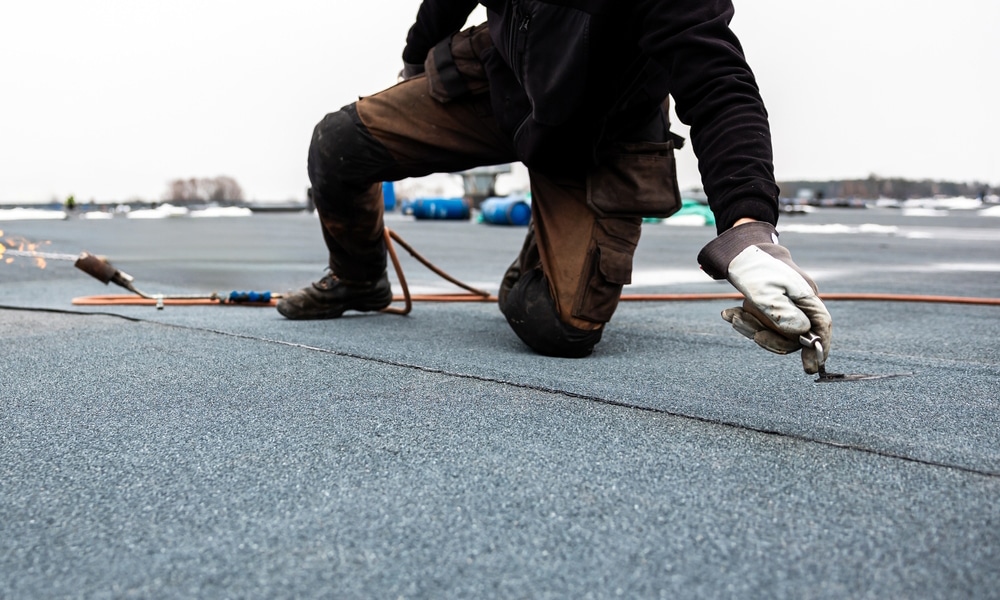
(223, 451)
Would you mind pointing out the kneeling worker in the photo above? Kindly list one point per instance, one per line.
(574, 89)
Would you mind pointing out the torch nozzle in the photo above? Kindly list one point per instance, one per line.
(102, 270)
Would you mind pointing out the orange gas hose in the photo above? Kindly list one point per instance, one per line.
(477, 295)
(409, 299)
(133, 300)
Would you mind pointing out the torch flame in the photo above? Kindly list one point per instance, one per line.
(22, 246)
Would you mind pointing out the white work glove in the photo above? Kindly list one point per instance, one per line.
(781, 300)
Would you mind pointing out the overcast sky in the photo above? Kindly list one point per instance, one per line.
(111, 99)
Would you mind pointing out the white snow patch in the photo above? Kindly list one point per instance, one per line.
(957, 203)
(838, 229)
(963, 267)
(919, 235)
(221, 211)
(96, 215)
(162, 211)
(31, 214)
(924, 212)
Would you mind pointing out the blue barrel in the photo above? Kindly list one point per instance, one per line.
(440, 208)
(510, 210)
(389, 195)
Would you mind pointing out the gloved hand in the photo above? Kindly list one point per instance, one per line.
(781, 301)
(410, 70)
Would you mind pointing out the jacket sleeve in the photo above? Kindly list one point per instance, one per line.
(716, 94)
(436, 20)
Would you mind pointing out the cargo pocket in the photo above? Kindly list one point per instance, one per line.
(455, 68)
(635, 180)
(608, 271)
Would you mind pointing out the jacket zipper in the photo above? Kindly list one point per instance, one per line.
(517, 38)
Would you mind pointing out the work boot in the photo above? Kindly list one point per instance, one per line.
(329, 297)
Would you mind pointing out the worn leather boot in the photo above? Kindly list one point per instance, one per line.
(330, 297)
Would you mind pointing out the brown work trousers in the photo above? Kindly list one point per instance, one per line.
(567, 281)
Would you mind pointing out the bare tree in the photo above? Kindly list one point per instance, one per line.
(207, 189)
(226, 189)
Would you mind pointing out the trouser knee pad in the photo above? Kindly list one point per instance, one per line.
(346, 165)
(344, 157)
(531, 313)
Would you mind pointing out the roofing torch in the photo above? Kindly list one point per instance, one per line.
(102, 270)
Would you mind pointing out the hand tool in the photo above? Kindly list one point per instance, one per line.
(811, 340)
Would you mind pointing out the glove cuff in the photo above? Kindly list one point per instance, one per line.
(715, 257)
(411, 70)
